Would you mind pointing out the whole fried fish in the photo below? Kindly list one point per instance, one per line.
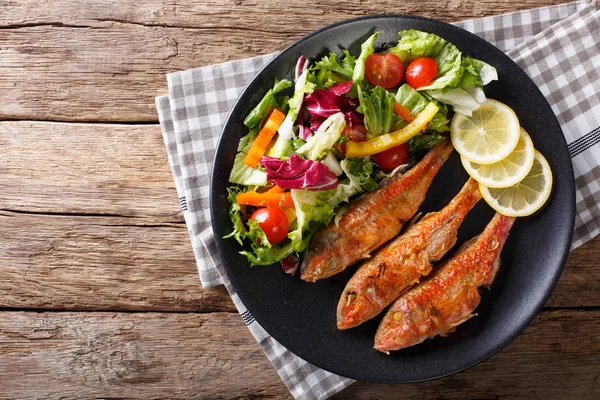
(401, 263)
(372, 219)
(448, 298)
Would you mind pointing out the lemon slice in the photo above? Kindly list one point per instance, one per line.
(527, 196)
(508, 171)
(488, 136)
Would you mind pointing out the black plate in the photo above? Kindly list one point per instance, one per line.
(301, 316)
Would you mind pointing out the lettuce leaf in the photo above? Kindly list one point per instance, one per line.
(313, 210)
(461, 100)
(240, 172)
(366, 49)
(469, 94)
(235, 214)
(424, 142)
(378, 109)
(476, 73)
(360, 170)
(329, 65)
(269, 101)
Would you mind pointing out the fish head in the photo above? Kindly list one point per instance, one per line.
(321, 261)
(349, 310)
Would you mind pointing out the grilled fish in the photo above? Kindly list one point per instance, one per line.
(401, 263)
(372, 219)
(448, 298)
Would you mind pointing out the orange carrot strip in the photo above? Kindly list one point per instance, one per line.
(405, 114)
(264, 137)
(266, 199)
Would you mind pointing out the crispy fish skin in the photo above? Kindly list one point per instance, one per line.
(401, 263)
(372, 219)
(448, 298)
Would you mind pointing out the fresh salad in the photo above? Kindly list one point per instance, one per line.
(346, 123)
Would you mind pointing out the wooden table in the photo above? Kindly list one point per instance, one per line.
(99, 293)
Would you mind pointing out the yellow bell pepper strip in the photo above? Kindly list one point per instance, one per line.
(264, 137)
(389, 140)
(290, 213)
(265, 199)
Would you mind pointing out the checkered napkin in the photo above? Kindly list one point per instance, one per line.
(558, 47)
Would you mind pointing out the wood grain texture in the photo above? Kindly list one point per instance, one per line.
(205, 356)
(100, 263)
(106, 60)
(86, 169)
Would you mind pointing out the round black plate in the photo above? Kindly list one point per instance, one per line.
(301, 316)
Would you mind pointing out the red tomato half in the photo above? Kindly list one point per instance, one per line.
(273, 222)
(420, 72)
(389, 159)
(385, 70)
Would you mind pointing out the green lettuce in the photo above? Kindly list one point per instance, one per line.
(476, 73)
(360, 172)
(331, 64)
(271, 100)
(366, 49)
(424, 141)
(378, 108)
(313, 210)
(240, 172)
(235, 214)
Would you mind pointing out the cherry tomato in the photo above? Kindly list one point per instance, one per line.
(420, 72)
(273, 222)
(389, 159)
(385, 70)
(356, 133)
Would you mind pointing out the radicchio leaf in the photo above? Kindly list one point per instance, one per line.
(304, 132)
(298, 173)
(290, 264)
(301, 65)
(322, 103)
(340, 89)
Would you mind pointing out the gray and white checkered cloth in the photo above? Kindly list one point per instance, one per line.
(557, 46)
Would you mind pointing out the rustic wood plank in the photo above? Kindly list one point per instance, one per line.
(203, 356)
(86, 169)
(238, 14)
(106, 60)
(100, 263)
